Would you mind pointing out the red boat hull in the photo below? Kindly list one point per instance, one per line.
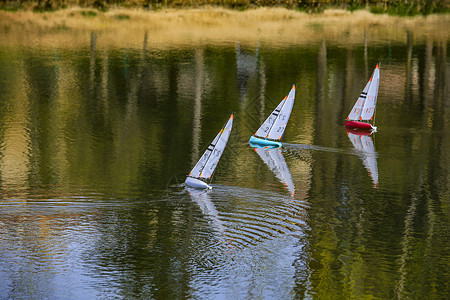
(358, 125)
(359, 131)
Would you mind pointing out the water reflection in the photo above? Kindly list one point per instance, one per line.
(90, 137)
(207, 207)
(247, 65)
(199, 83)
(363, 143)
(274, 159)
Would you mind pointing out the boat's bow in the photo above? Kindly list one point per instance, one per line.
(256, 142)
(197, 183)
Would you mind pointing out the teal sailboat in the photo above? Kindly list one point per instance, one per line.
(271, 131)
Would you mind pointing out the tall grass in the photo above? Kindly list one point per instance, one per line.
(179, 27)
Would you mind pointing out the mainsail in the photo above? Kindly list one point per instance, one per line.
(356, 111)
(208, 162)
(364, 107)
(371, 100)
(274, 126)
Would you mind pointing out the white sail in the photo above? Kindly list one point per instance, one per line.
(208, 162)
(364, 144)
(371, 100)
(277, 131)
(274, 126)
(356, 111)
(217, 151)
(274, 159)
(198, 168)
(264, 130)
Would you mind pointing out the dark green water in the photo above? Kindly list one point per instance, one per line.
(95, 144)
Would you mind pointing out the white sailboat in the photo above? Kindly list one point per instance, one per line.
(274, 159)
(205, 167)
(272, 130)
(364, 144)
(363, 110)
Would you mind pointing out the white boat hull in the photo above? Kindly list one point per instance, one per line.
(197, 183)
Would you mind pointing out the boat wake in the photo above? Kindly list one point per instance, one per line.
(315, 148)
(354, 151)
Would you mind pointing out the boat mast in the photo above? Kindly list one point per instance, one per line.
(375, 110)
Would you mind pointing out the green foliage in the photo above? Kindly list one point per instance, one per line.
(410, 8)
(377, 10)
(100, 5)
(317, 27)
(355, 5)
(88, 13)
(13, 6)
(122, 17)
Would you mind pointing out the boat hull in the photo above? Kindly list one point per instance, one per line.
(256, 142)
(359, 131)
(197, 183)
(359, 125)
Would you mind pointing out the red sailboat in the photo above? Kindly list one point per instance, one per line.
(363, 111)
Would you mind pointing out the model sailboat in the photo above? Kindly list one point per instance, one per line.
(363, 110)
(205, 167)
(272, 130)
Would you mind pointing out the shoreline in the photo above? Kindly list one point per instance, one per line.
(218, 26)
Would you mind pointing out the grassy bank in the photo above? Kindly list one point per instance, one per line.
(392, 7)
(179, 27)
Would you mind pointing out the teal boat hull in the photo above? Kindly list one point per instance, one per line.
(256, 142)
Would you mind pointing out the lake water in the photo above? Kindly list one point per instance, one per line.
(95, 144)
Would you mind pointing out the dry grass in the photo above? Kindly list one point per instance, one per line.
(179, 28)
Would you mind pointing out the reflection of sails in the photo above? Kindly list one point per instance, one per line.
(275, 160)
(364, 144)
(199, 85)
(207, 207)
(247, 66)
